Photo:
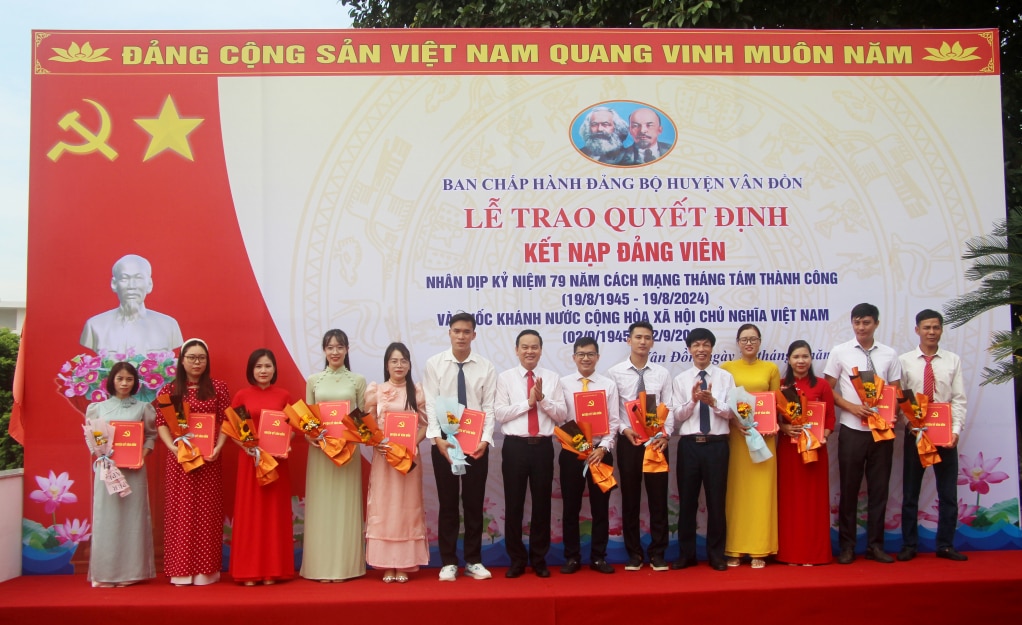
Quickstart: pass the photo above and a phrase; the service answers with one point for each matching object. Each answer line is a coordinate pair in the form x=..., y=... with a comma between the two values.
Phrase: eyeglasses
x=586, y=355
x=749, y=340
x=195, y=359
x=394, y=362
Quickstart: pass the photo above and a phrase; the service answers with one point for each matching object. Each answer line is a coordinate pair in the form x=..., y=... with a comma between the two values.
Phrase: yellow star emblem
x=169, y=131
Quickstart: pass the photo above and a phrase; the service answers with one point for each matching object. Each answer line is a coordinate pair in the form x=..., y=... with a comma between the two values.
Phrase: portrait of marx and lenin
x=623, y=134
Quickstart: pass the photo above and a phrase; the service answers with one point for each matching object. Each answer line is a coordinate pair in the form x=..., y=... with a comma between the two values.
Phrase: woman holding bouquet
x=122, y=531
x=395, y=519
x=334, y=550
x=803, y=489
x=262, y=544
x=751, y=501
x=194, y=512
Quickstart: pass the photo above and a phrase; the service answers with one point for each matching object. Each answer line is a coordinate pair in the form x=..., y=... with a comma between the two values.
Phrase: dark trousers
x=629, y=458
x=473, y=488
x=702, y=465
x=573, y=485
x=857, y=455
x=946, y=474
x=527, y=463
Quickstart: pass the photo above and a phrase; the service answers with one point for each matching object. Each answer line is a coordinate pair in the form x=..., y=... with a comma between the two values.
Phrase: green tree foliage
x=11, y=453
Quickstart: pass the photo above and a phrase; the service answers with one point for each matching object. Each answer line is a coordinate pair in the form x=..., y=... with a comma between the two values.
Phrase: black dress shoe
x=719, y=565
x=571, y=566
x=952, y=554
x=877, y=554
x=657, y=563
x=516, y=570
x=541, y=571
x=907, y=553
x=679, y=564
x=600, y=566
x=634, y=563
x=847, y=556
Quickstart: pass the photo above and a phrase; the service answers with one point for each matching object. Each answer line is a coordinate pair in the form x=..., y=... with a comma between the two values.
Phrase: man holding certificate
x=591, y=398
x=529, y=403
x=937, y=374
x=472, y=380
x=858, y=450
x=634, y=376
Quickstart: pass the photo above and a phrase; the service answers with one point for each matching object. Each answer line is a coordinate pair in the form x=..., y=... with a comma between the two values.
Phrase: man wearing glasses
x=573, y=481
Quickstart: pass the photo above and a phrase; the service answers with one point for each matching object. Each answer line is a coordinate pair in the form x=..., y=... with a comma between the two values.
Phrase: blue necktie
x=704, y=409
x=462, y=387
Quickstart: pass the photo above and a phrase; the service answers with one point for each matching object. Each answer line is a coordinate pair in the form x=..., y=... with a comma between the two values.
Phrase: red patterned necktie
x=928, y=381
x=534, y=411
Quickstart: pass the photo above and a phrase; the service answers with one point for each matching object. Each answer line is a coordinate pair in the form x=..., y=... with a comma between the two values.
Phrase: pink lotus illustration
x=978, y=474
x=966, y=513
x=56, y=490
x=73, y=531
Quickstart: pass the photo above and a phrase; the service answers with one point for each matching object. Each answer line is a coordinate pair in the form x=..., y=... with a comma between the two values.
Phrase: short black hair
x=929, y=314
x=583, y=342
x=254, y=358
x=866, y=310
x=462, y=316
x=700, y=334
x=639, y=324
x=526, y=332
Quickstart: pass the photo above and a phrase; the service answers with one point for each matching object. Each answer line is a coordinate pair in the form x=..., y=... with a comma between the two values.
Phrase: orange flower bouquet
x=651, y=419
x=239, y=427
x=188, y=455
x=305, y=419
x=914, y=406
x=578, y=439
x=361, y=427
x=870, y=387
x=791, y=406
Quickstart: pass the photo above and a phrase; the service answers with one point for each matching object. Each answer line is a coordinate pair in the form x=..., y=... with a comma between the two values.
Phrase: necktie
x=704, y=409
x=534, y=411
x=869, y=359
x=585, y=384
x=462, y=387
x=647, y=156
x=928, y=380
x=641, y=387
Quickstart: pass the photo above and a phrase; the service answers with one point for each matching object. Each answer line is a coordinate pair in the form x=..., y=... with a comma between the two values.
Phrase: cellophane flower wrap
x=306, y=420
x=176, y=417
x=362, y=428
x=99, y=436
x=578, y=439
x=870, y=387
x=791, y=406
x=448, y=413
x=398, y=456
x=914, y=406
x=743, y=405
x=239, y=427
x=653, y=460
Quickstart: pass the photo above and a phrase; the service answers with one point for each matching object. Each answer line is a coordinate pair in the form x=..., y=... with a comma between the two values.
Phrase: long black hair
x=409, y=384
x=789, y=375
x=342, y=340
x=205, y=390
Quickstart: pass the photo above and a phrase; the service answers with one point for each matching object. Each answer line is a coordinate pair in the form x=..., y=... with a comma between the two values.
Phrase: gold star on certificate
x=169, y=131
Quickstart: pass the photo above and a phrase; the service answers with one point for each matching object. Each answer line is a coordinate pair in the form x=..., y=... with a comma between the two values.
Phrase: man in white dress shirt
x=703, y=421
x=943, y=383
x=529, y=403
x=858, y=454
x=573, y=483
x=460, y=373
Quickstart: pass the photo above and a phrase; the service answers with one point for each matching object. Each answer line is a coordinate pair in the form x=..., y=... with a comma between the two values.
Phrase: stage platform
x=984, y=589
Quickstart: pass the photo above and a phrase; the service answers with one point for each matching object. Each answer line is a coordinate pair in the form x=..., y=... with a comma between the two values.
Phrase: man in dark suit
x=645, y=127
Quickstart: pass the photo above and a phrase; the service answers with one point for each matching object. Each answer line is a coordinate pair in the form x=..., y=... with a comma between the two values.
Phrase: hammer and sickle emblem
x=93, y=140
x=198, y=426
x=276, y=423
x=126, y=434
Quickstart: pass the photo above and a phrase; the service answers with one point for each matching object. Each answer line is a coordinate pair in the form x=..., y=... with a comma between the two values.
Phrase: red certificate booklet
x=888, y=402
x=816, y=417
x=766, y=413
x=637, y=419
x=128, y=444
x=202, y=427
x=470, y=430
x=591, y=408
x=274, y=433
x=938, y=423
x=401, y=427
x=331, y=413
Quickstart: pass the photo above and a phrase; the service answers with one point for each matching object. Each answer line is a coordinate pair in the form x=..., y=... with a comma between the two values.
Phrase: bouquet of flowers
x=742, y=405
x=448, y=412
x=305, y=420
x=239, y=427
x=870, y=387
x=651, y=419
x=362, y=427
x=82, y=379
x=188, y=455
x=578, y=439
x=99, y=436
x=914, y=406
x=791, y=405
